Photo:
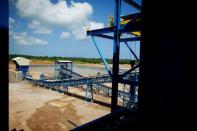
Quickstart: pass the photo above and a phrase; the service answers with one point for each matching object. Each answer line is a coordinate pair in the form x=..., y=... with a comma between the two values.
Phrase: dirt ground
x=38, y=109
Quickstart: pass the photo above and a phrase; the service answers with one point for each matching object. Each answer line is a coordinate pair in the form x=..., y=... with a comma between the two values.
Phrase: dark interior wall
x=166, y=94
x=4, y=78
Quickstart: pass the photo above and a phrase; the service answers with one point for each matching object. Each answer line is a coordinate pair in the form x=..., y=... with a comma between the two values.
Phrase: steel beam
x=133, y=4
x=101, y=55
x=129, y=82
x=132, y=69
x=130, y=27
x=131, y=16
x=121, y=40
x=130, y=39
x=100, y=31
x=105, y=36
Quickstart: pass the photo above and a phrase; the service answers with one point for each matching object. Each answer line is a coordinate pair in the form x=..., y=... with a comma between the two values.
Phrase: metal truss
x=134, y=25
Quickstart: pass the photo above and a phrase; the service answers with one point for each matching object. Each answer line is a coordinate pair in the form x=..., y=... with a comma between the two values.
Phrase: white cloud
x=81, y=32
x=11, y=22
x=39, y=28
x=73, y=17
x=60, y=13
x=64, y=35
x=93, y=25
x=23, y=39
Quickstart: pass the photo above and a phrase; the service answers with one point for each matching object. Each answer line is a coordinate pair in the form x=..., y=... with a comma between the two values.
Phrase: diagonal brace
x=132, y=52
x=101, y=55
x=132, y=69
x=134, y=4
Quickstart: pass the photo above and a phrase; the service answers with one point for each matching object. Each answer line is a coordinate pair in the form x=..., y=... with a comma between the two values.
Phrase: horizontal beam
x=131, y=16
x=128, y=28
x=105, y=36
x=129, y=82
x=121, y=40
x=130, y=39
x=100, y=31
x=133, y=4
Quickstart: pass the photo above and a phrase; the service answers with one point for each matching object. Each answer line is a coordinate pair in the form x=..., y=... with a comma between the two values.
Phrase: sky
x=58, y=28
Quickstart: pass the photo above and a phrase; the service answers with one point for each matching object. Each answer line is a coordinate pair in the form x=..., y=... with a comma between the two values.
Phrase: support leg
x=91, y=87
x=86, y=94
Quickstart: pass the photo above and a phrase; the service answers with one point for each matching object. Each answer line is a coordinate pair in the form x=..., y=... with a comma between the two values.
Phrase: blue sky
x=57, y=28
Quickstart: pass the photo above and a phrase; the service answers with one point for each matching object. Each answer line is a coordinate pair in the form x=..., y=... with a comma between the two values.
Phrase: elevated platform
x=130, y=27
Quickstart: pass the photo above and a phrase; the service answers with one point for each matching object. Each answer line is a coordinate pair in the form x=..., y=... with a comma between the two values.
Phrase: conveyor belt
x=77, y=80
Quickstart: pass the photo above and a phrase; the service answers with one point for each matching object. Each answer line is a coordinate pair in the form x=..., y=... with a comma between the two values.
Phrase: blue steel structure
x=70, y=78
x=58, y=69
x=134, y=25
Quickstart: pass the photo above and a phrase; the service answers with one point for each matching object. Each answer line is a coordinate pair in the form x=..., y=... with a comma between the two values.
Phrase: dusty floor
x=39, y=109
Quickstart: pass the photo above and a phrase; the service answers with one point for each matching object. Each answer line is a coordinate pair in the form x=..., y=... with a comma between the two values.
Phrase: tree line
x=74, y=59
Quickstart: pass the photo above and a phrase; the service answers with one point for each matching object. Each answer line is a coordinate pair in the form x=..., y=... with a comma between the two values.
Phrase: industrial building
x=22, y=64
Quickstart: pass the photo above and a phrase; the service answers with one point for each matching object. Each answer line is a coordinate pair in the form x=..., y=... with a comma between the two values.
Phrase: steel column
x=116, y=53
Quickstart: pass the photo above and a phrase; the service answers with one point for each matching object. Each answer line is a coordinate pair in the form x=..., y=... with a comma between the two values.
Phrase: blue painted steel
x=72, y=82
x=130, y=70
x=132, y=16
x=132, y=52
x=121, y=40
x=24, y=69
x=100, y=31
x=130, y=39
x=133, y=4
x=59, y=71
x=128, y=28
x=105, y=36
x=77, y=79
x=116, y=50
x=103, y=59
